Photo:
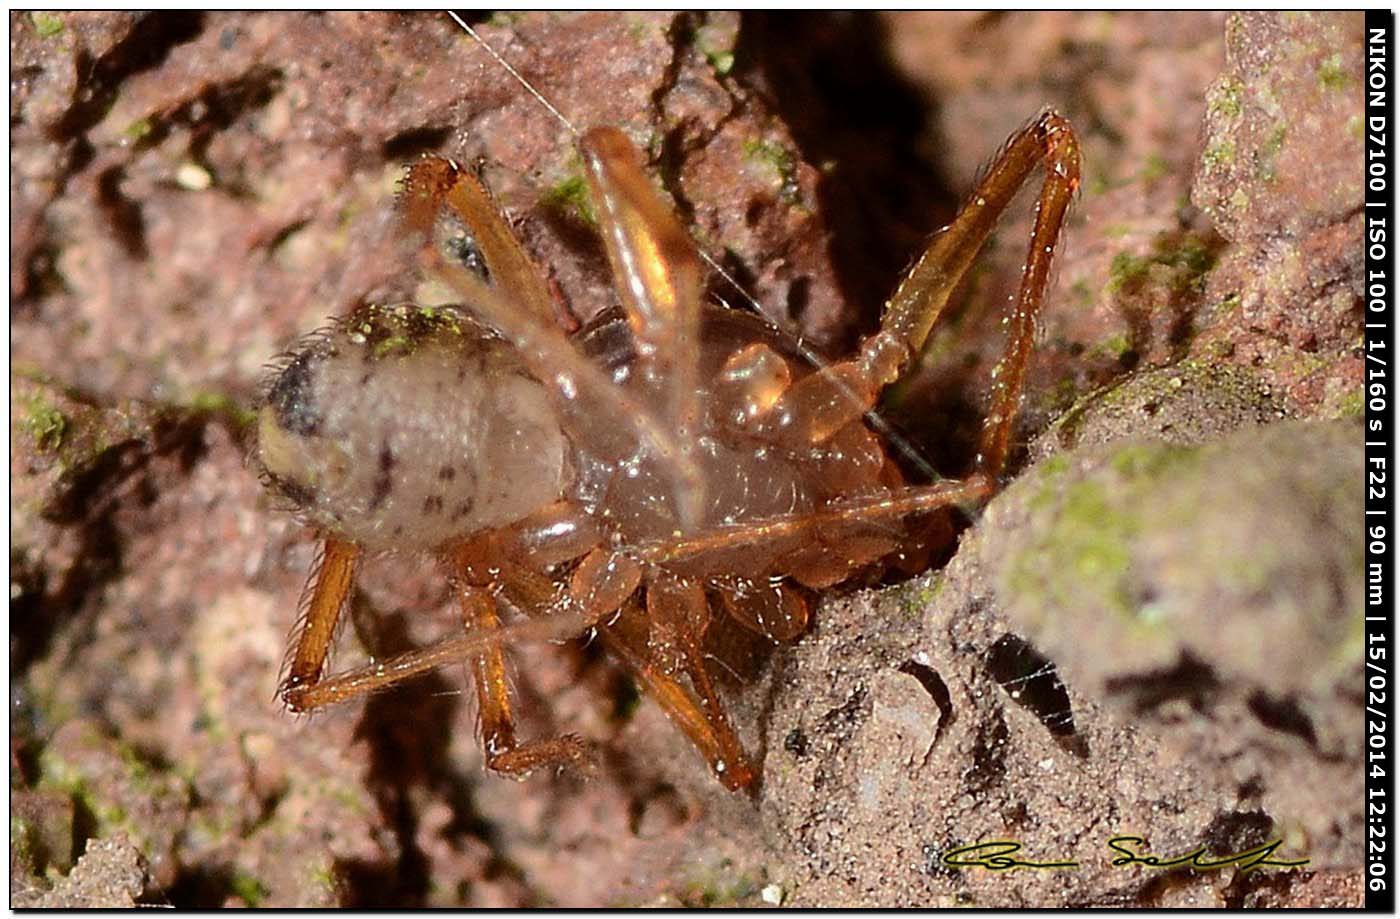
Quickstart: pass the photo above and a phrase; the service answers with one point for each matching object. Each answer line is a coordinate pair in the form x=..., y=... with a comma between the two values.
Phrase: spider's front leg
x=658, y=276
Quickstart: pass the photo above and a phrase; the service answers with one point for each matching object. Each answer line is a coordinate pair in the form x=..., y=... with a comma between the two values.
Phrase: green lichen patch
x=570, y=197
x=45, y=423
x=321, y=881
x=1126, y=557
x=1186, y=403
x=719, y=885
x=56, y=773
x=1117, y=346
x=499, y=20
x=1230, y=304
x=1127, y=270
x=1219, y=155
x=1080, y=556
x=1226, y=98
x=915, y=598
x=138, y=130
x=1266, y=156
x=1331, y=75
x=1350, y=405
x=248, y=889
x=237, y=415
x=721, y=61
x=47, y=25
x=1156, y=167
x=716, y=40
x=1177, y=263
x=781, y=162
x=70, y=435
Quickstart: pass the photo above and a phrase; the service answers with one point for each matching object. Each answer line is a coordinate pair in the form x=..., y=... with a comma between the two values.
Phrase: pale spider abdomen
x=405, y=427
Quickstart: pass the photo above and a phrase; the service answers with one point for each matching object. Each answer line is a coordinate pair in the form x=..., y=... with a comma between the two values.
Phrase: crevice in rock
x=1031, y=680
x=937, y=689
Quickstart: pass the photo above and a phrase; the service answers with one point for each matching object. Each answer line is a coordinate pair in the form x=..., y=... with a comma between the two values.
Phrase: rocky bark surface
x=189, y=192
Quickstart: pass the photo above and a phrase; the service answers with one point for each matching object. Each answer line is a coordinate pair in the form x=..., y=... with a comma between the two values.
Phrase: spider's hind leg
x=324, y=600
x=497, y=722
x=920, y=298
x=820, y=405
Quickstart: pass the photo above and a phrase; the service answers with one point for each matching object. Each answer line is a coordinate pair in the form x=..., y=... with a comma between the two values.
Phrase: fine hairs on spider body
x=671, y=464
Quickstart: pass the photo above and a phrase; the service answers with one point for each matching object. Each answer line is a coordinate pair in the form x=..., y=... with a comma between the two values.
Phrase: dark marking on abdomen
x=299, y=494
x=384, y=481
x=291, y=396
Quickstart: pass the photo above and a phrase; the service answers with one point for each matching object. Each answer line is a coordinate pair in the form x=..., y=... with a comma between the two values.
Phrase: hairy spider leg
x=913, y=499
x=678, y=612
x=600, y=585
x=497, y=722
x=433, y=181
x=704, y=722
x=517, y=304
x=323, y=600
x=1053, y=140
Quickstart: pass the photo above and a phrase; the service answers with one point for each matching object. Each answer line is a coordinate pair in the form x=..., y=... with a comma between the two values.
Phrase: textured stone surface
x=190, y=192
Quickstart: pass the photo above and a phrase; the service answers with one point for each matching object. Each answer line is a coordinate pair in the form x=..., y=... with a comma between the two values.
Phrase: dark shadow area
x=88, y=497
x=1283, y=714
x=830, y=78
x=1033, y=683
x=1189, y=680
x=408, y=728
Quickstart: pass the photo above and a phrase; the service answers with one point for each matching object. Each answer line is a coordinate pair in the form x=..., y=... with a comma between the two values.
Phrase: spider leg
x=488, y=667
x=823, y=403
x=433, y=182
x=677, y=614
x=600, y=585
x=1061, y=179
x=775, y=611
x=801, y=528
x=325, y=599
x=517, y=304
x=677, y=611
x=659, y=278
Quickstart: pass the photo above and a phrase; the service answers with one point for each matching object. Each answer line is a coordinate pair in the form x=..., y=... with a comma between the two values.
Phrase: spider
x=670, y=464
